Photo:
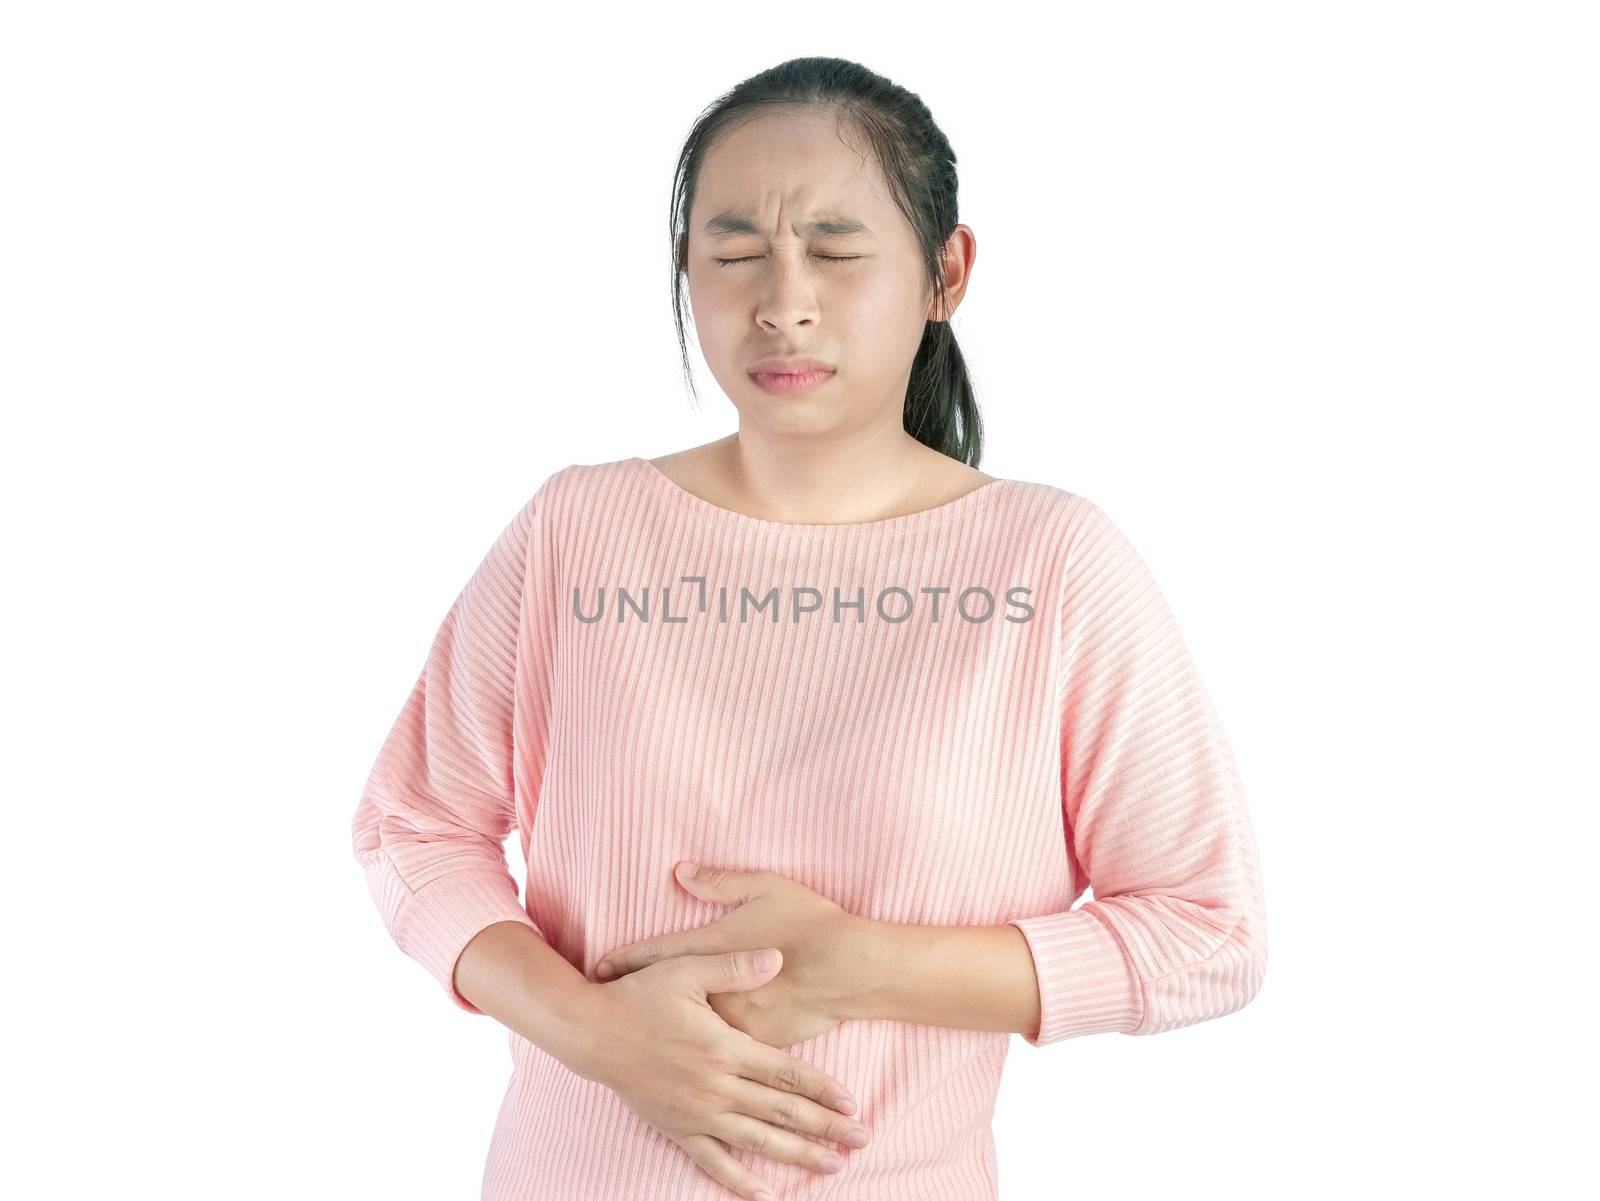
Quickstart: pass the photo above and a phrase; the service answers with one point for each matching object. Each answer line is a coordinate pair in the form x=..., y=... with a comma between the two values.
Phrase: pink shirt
x=962, y=716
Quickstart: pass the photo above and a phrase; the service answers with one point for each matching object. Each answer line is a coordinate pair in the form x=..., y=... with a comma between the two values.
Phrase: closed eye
x=750, y=258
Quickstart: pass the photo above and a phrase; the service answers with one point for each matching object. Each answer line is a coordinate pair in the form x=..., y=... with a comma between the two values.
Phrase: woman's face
x=796, y=251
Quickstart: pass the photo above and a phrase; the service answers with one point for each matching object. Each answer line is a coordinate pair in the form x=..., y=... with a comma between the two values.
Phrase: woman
x=900, y=712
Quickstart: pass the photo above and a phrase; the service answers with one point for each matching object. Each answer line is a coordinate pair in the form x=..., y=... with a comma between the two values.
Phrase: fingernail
x=830, y=1162
x=687, y=870
x=767, y=960
x=856, y=1138
x=845, y=1106
x=602, y=970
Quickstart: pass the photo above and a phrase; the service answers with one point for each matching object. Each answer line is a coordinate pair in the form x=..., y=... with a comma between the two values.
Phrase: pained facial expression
x=776, y=270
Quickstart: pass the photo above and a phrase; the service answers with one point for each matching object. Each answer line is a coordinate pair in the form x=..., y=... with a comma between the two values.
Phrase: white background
x=302, y=301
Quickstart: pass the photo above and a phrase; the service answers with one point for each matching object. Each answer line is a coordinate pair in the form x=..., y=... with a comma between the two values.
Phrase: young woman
x=900, y=713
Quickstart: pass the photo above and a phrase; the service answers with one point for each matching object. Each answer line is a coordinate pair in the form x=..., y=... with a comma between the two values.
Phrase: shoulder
x=1088, y=552
x=568, y=502
x=578, y=488
x=568, y=491
x=1061, y=517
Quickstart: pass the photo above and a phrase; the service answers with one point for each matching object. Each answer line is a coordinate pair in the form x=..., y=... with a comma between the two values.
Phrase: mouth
x=787, y=383
x=786, y=377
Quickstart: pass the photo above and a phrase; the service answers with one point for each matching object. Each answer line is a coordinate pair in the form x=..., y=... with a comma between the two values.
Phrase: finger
x=715, y=1161
x=771, y=1067
x=775, y=1143
x=731, y=971
x=720, y=885
x=793, y=1112
x=702, y=940
x=635, y=955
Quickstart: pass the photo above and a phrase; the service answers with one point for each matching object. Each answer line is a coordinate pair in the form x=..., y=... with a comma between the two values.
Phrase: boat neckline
x=942, y=511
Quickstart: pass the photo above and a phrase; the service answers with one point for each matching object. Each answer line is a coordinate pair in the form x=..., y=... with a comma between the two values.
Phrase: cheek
x=879, y=298
x=718, y=310
x=881, y=319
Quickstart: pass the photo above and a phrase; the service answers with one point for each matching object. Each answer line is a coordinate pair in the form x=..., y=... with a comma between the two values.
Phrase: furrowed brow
x=734, y=225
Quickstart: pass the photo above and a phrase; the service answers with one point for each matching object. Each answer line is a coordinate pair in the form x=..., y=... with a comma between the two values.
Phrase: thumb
x=736, y=971
x=720, y=885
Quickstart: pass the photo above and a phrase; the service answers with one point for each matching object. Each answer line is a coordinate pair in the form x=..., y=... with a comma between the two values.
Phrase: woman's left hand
x=817, y=939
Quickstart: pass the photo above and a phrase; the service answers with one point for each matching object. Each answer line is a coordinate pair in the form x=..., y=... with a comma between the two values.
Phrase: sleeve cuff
x=442, y=917
x=1086, y=984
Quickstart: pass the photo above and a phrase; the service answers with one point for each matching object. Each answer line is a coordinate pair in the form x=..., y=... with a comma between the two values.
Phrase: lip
x=785, y=377
x=788, y=366
x=787, y=383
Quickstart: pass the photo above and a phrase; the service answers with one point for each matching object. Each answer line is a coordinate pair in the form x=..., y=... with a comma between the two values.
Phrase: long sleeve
x=430, y=828
x=1155, y=816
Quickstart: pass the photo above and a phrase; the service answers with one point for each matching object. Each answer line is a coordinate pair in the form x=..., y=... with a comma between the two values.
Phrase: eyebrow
x=733, y=225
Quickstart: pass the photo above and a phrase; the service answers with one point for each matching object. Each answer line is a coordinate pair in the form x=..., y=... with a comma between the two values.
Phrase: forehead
x=790, y=172
x=732, y=223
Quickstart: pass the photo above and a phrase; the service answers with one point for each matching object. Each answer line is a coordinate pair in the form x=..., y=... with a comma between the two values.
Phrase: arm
x=967, y=977
x=430, y=827
x=1156, y=822
x=512, y=974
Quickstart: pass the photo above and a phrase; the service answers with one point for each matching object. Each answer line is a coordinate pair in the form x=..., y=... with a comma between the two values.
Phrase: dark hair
x=941, y=410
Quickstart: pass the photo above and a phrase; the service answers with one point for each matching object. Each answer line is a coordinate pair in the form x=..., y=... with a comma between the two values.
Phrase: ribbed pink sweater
x=961, y=716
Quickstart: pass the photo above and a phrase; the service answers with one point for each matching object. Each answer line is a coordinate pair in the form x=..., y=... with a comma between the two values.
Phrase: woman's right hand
x=660, y=1046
